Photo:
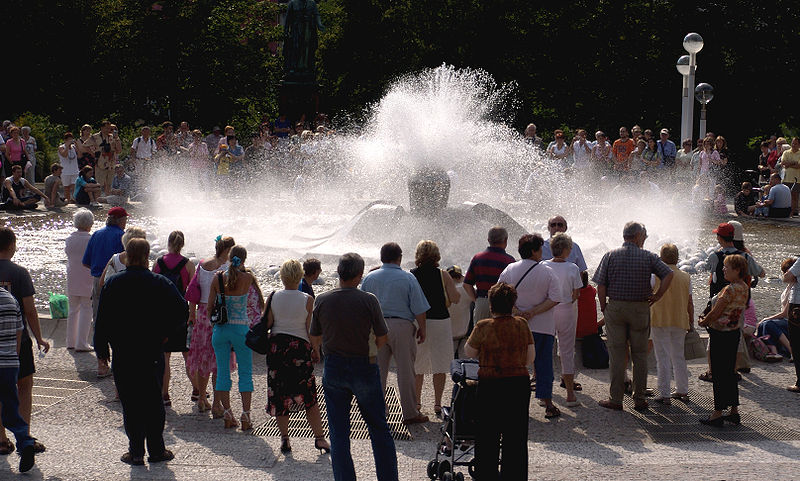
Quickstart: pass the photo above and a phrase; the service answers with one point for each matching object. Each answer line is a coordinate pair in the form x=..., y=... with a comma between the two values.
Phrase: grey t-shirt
x=781, y=195
x=344, y=318
x=49, y=182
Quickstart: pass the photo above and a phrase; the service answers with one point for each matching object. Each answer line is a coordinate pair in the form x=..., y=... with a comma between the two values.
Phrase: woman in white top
x=79, y=283
x=291, y=385
x=68, y=158
x=559, y=149
x=459, y=312
x=569, y=282
x=117, y=262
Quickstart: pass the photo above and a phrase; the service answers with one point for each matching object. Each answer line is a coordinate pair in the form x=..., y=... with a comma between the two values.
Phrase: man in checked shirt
x=623, y=287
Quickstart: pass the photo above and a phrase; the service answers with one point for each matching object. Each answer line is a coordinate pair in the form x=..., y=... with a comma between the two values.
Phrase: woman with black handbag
x=291, y=385
x=227, y=302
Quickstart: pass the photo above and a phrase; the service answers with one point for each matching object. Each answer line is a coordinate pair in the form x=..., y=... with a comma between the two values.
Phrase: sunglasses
x=557, y=224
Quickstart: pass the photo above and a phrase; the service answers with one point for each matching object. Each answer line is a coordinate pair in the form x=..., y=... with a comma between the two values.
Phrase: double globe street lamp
x=687, y=66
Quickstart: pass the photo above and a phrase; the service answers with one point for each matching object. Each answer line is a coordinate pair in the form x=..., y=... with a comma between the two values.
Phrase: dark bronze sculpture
x=300, y=41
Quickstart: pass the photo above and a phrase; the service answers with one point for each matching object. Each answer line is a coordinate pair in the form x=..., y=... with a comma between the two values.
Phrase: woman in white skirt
x=568, y=278
x=434, y=355
x=459, y=313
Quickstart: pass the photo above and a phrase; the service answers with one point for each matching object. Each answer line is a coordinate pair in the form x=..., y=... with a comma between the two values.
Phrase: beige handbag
x=693, y=346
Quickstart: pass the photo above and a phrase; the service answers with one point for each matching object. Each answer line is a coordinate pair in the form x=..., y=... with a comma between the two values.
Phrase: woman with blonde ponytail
x=237, y=282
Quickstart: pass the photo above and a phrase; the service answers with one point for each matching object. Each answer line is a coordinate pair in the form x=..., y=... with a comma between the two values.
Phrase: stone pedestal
x=297, y=98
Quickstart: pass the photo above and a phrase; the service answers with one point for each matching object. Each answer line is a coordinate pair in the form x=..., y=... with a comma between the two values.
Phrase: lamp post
x=703, y=93
x=692, y=43
x=683, y=69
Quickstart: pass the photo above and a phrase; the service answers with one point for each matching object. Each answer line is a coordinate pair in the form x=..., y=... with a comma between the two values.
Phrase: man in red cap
x=103, y=244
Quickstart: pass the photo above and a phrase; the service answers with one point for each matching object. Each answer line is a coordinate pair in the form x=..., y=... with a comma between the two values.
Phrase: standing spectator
x=791, y=277
x=229, y=131
x=184, y=135
x=16, y=280
x=290, y=361
x=765, y=168
x=433, y=355
x=744, y=202
x=559, y=148
x=282, y=127
x=312, y=268
x=776, y=152
x=636, y=160
x=555, y=225
x=404, y=306
x=651, y=156
x=143, y=149
x=85, y=147
x=622, y=150
x=15, y=148
x=120, y=187
x=199, y=162
x=167, y=143
x=623, y=276
x=79, y=283
x=721, y=146
x=504, y=348
x=137, y=333
x=790, y=161
x=636, y=133
x=179, y=270
x=683, y=162
x=670, y=318
x=667, y=149
x=724, y=322
x=213, y=139
x=53, y=188
x=582, y=151
x=459, y=312
x=236, y=155
x=341, y=324
x=531, y=137
x=201, y=361
x=484, y=269
x=779, y=200
x=230, y=336
x=103, y=244
x=537, y=290
x=708, y=157
x=30, y=149
x=68, y=158
x=108, y=148
x=11, y=327
x=601, y=151
x=565, y=313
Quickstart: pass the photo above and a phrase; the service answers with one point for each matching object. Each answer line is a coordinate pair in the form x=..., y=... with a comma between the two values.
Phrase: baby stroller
x=459, y=427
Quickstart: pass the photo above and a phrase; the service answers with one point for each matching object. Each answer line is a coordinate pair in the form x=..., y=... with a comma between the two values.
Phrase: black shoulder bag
x=220, y=314
x=524, y=275
x=257, y=338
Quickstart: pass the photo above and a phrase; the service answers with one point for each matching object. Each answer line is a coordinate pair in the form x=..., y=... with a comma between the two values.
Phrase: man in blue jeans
x=342, y=321
x=11, y=327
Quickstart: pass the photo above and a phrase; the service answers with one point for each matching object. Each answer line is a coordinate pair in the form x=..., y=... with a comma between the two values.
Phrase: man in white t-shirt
x=143, y=149
x=581, y=151
x=536, y=290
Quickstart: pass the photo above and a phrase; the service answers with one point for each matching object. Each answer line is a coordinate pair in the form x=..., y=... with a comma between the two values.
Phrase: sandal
x=793, y=388
x=128, y=458
x=437, y=409
x=533, y=385
x=706, y=376
x=552, y=412
x=6, y=447
x=576, y=386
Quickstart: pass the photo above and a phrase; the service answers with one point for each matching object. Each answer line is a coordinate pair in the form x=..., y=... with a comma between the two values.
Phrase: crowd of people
x=508, y=313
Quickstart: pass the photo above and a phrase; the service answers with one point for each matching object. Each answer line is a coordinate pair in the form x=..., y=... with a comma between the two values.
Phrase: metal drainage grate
x=678, y=423
x=51, y=386
x=299, y=428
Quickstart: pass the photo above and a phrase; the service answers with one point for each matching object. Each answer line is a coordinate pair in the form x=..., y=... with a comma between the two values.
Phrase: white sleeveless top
x=70, y=162
x=205, y=278
x=459, y=313
x=114, y=266
x=289, y=310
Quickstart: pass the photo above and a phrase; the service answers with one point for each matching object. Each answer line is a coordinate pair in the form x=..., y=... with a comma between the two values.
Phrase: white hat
x=665, y=131
x=738, y=230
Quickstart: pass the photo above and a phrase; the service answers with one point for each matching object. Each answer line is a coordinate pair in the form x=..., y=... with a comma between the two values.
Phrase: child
x=459, y=313
x=223, y=160
x=720, y=204
x=587, y=308
x=762, y=210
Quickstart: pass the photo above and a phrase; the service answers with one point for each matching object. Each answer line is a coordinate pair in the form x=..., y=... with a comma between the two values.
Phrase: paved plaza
x=76, y=417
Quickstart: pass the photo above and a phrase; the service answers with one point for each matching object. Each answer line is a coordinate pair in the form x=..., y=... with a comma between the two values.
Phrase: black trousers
x=139, y=384
x=502, y=407
x=722, y=351
x=794, y=337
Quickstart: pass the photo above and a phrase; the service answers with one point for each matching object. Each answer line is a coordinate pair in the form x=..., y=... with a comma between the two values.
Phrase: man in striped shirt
x=10, y=336
x=484, y=270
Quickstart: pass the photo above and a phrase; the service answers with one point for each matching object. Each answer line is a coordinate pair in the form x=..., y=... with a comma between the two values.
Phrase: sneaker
x=26, y=459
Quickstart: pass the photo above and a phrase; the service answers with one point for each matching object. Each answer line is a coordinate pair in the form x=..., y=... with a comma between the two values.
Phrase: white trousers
x=79, y=322
x=566, y=319
x=668, y=346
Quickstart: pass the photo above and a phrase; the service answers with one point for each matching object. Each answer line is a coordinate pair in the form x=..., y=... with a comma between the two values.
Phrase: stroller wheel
x=433, y=469
x=471, y=468
x=444, y=470
x=459, y=476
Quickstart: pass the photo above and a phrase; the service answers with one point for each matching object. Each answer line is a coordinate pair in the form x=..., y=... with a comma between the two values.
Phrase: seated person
x=120, y=187
x=86, y=188
x=777, y=325
x=14, y=192
x=54, y=188
x=744, y=202
x=779, y=200
x=762, y=209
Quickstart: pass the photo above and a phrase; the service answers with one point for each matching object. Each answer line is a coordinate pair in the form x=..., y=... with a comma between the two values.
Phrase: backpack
x=174, y=275
x=760, y=349
x=594, y=352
